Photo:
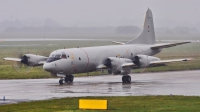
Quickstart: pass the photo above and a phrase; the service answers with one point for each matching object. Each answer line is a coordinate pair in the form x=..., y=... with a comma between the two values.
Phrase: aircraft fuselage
x=86, y=59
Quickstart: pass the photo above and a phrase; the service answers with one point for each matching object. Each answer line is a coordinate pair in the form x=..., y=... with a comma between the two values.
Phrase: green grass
x=120, y=104
x=8, y=72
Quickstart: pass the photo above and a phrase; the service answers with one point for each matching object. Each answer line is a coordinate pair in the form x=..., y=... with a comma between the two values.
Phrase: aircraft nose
x=48, y=67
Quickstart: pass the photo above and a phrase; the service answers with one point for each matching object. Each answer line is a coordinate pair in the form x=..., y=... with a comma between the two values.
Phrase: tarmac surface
x=163, y=83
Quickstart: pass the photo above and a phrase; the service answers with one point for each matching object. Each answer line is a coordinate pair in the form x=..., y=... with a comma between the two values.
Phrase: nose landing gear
x=61, y=81
x=68, y=78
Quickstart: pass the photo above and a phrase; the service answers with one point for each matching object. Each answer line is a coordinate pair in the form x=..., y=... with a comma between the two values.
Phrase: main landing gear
x=68, y=78
x=126, y=79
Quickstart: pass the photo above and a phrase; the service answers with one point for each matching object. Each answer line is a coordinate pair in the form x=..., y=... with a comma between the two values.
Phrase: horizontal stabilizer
x=169, y=61
x=166, y=45
x=12, y=59
x=118, y=42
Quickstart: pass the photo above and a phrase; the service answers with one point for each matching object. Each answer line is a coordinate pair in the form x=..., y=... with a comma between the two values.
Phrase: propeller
x=136, y=61
x=22, y=66
x=107, y=63
x=24, y=60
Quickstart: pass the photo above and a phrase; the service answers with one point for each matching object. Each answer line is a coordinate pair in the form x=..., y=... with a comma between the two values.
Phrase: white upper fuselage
x=86, y=59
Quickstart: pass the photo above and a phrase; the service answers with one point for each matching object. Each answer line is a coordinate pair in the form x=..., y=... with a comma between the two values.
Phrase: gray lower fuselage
x=86, y=59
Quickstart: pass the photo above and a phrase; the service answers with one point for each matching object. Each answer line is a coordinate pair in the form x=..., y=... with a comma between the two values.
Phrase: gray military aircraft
x=118, y=59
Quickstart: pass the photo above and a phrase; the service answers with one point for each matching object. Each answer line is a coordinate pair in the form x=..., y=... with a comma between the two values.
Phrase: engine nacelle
x=32, y=59
x=144, y=60
x=115, y=64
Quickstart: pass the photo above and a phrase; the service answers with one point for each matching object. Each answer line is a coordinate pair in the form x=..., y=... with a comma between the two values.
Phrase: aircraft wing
x=166, y=45
x=12, y=59
x=102, y=66
x=118, y=42
x=127, y=64
x=169, y=61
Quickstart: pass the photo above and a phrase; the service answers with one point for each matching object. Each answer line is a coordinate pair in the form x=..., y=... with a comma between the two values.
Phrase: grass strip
x=120, y=104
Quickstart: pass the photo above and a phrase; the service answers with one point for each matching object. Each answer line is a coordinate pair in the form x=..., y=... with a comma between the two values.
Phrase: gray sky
x=81, y=13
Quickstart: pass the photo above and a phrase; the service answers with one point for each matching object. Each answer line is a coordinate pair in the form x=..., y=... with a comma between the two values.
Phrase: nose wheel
x=126, y=79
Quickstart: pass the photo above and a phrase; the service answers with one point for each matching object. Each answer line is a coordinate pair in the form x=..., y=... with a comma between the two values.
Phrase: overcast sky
x=81, y=13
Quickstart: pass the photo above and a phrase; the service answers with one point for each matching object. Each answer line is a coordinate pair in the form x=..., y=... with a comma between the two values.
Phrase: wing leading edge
x=169, y=61
x=12, y=59
x=166, y=45
x=131, y=64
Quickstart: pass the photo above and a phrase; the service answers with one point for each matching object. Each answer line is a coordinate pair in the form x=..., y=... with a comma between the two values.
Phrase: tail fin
x=147, y=35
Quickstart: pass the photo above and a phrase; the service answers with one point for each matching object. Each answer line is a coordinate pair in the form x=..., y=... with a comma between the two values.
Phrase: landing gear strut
x=68, y=78
x=126, y=79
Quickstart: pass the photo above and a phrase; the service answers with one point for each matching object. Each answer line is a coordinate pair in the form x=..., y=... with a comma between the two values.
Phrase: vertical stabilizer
x=147, y=36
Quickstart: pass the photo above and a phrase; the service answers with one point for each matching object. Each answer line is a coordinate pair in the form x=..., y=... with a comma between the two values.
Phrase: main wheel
x=128, y=79
x=66, y=78
x=71, y=78
x=123, y=79
x=61, y=81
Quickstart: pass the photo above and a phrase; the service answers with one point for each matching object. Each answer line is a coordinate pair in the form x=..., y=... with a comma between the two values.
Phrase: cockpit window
x=57, y=56
x=53, y=57
x=63, y=55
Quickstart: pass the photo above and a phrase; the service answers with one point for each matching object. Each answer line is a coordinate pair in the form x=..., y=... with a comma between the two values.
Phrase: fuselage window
x=79, y=58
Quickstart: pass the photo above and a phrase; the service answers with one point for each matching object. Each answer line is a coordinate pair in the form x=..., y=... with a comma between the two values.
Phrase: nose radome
x=50, y=67
x=47, y=67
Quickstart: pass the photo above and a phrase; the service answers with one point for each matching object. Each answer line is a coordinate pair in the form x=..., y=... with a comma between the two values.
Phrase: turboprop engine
x=32, y=60
x=144, y=60
x=123, y=65
x=119, y=65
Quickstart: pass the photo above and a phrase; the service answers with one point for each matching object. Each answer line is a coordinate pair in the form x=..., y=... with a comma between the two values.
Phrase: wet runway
x=164, y=83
